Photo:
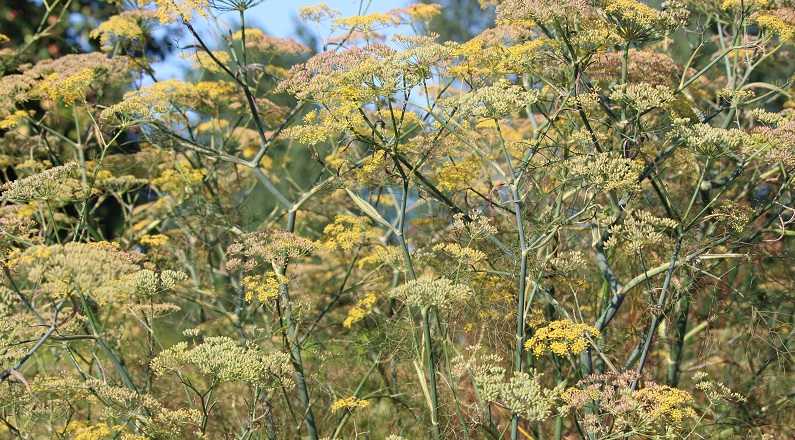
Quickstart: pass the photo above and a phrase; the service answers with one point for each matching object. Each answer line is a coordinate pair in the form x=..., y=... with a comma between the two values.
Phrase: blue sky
x=277, y=17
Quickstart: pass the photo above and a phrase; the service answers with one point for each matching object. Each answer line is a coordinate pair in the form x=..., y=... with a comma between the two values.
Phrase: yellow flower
x=730, y=4
x=67, y=89
x=362, y=308
x=348, y=231
x=205, y=61
x=212, y=126
x=83, y=431
x=466, y=255
x=180, y=179
x=367, y=21
x=780, y=22
x=421, y=11
x=170, y=10
x=12, y=120
x=664, y=402
x=263, y=287
x=561, y=338
x=457, y=176
x=349, y=403
x=371, y=165
x=124, y=26
x=154, y=241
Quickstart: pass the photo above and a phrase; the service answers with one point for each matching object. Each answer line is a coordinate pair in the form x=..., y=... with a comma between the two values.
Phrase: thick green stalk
x=662, y=299
x=431, y=371
x=520, y=304
x=677, y=350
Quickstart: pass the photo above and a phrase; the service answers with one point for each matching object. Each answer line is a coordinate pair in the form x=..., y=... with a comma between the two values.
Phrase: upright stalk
x=295, y=346
x=520, y=304
x=430, y=365
x=662, y=299
x=677, y=350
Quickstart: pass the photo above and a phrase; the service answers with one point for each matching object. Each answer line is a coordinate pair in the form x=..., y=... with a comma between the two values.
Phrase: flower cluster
x=461, y=254
x=636, y=21
x=262, y=287
x=430, y=292
x=711, y=141
x=125, y=28
x=170, y=10
x=495, y=101
x=69, y=79
x=253, y=250
x=652, y=410
x=522, y=392
x=639, y=231
x=160, y=98
x=478, y=228
x=645, y=65
x=643, y=96
x=224, y=360
x=606, y=172
x=562, y=337
x=54, y=184
x=347, y=232
x=540, y=11
x=362, y=308
x=456, y=176
x=91, y=269
x=349, y=404
x=257, y=40
x=780, y=22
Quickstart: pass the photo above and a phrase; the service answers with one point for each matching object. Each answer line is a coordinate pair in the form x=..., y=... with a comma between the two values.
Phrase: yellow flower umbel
x=456, y=176
x=349, y=403
x=180, y=179
x=262, y=287
x=429, y=292
x=154, y=241
x=780, y=22
x=259, y=41
x=225, y=360
x=367, y=22
x=13, y=120
x=170, y=10
x=561, y=338
x=360, y=310
x=82, y=431
x=122, y=28
x=347, y=232
x=636, y=21
x=665, y=403
x=67, y=89
x=420, y=11
x=55, y=184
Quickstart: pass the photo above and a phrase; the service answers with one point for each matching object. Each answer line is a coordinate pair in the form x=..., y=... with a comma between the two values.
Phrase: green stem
x=431, y=372
x=677, y=350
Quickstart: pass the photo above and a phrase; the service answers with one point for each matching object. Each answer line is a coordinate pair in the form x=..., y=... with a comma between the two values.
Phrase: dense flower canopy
x=577, y=223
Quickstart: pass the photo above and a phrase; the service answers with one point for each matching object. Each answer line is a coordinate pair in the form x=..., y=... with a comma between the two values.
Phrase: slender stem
x=295, y=346
x=663, y=298
x=677, y=350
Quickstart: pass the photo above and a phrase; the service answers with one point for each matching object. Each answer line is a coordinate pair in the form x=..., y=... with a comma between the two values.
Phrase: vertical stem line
x=677, y=350
x=520, y=305
x=659, y=316
x=294, y=345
